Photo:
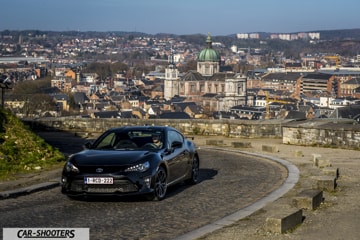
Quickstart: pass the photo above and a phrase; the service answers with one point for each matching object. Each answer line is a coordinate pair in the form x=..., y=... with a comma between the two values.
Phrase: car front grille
x=105, y=169
x=120, y=186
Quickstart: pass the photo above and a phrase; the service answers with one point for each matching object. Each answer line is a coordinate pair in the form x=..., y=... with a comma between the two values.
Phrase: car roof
x=138, y=128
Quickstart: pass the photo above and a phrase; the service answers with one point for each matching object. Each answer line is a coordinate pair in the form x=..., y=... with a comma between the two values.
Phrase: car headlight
x=71, y=167
x=142, y=167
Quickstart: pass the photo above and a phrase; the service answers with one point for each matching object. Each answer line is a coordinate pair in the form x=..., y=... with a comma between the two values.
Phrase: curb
x=30, y=189
x=289, y=183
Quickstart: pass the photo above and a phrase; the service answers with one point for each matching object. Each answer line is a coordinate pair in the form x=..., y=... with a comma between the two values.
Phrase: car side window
x=174, y=136
x=107, y=141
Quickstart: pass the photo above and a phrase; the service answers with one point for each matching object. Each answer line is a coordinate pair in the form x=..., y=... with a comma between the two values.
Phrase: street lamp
x=5, y=83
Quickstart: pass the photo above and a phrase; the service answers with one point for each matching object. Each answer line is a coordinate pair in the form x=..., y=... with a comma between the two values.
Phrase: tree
x=36, y=95
x=33, y=86
x=118, y=67
x=102, y=69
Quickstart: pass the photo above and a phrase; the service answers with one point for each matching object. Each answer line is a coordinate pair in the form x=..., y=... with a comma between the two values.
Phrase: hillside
x=22, y=151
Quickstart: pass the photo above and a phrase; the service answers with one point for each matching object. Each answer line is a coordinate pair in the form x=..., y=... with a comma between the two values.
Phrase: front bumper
x=122, y=186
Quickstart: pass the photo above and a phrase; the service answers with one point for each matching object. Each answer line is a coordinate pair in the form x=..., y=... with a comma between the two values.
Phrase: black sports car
x=123, y=161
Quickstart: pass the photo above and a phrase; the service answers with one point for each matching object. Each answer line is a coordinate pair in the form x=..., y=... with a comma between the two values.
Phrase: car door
x=178, y=156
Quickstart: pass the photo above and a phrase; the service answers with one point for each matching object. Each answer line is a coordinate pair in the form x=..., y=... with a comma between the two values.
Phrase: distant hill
x=340, y=34
x=343, y=34
x=345, y=42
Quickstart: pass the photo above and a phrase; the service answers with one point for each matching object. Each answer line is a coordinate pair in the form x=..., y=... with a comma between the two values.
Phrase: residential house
x=157, y=92
x=348, y=88
x=140, y=113
x=80, y=99
x=195, y=111
x=62, y=102
x=245, y=112
x=282, y=81
x=293, y=66
x=154, y=110
x=174, y=115
x=70, y=73
x=225, y=115
x=180, y=106
x=63, y=83
x=349, y=112
x=105, y=114
x=88, y=78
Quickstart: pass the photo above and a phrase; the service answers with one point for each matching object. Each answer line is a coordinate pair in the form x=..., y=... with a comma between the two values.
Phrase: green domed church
x=208, y=86
x=208, y=61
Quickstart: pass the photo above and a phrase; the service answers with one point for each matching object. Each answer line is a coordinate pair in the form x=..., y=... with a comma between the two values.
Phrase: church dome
x=208, y=54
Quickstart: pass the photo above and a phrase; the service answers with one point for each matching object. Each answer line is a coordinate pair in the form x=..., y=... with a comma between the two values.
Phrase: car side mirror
x=87, y=145
x=176, y=144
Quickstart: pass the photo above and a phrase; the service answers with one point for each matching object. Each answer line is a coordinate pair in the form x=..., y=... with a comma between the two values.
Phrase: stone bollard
x=309, y=199
x=270, y=148
x=322, y=163
x=316, y=156
x=326, y=183
x=241, y=144
x=214, y=142
x=298, y=153
x=284, y=220
x=331, y=171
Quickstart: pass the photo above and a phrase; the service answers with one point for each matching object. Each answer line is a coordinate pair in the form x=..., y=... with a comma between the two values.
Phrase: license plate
x=98, y=180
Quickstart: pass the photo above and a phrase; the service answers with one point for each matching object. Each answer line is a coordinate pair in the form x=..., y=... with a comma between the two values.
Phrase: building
x=63, y=83
x=319, y=82
x=229, y=87
x=348, y=88
x=287, y=82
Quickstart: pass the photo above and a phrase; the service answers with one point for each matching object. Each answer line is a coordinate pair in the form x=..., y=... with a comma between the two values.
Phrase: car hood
x=116, y=157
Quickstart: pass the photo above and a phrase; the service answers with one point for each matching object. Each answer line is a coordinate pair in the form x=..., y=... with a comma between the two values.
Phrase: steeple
x=171, y=59
x=171, y=85
x=208, y=41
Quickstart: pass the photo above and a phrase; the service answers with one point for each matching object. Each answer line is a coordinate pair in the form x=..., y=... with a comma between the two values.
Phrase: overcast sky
x=220, y=17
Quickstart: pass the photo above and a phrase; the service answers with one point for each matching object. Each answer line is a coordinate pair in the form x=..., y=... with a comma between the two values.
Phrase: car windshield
x=131, y=139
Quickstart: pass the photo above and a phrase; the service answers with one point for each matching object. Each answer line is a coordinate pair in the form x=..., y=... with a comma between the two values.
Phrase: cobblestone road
x=228, y=182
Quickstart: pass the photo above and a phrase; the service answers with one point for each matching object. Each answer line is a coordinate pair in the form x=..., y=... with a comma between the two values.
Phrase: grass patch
x=21, y=150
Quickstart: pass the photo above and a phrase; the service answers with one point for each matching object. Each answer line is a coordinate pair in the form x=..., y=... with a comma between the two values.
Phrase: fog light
x=63, y=180
x=147, y=181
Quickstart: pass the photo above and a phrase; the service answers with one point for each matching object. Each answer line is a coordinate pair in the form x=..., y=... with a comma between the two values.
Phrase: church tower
x=171, y=82
x=235, y=92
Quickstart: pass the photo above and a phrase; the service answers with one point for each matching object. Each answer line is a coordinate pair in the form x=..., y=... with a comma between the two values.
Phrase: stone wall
x=323, y=133
x=327, y=133
x=229, y=128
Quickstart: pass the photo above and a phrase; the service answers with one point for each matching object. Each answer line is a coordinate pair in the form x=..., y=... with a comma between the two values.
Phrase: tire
x=195, y=168
x=160, y=185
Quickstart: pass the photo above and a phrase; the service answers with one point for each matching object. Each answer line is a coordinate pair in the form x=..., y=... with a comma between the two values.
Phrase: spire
x=171, y=58
x=208, y=41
